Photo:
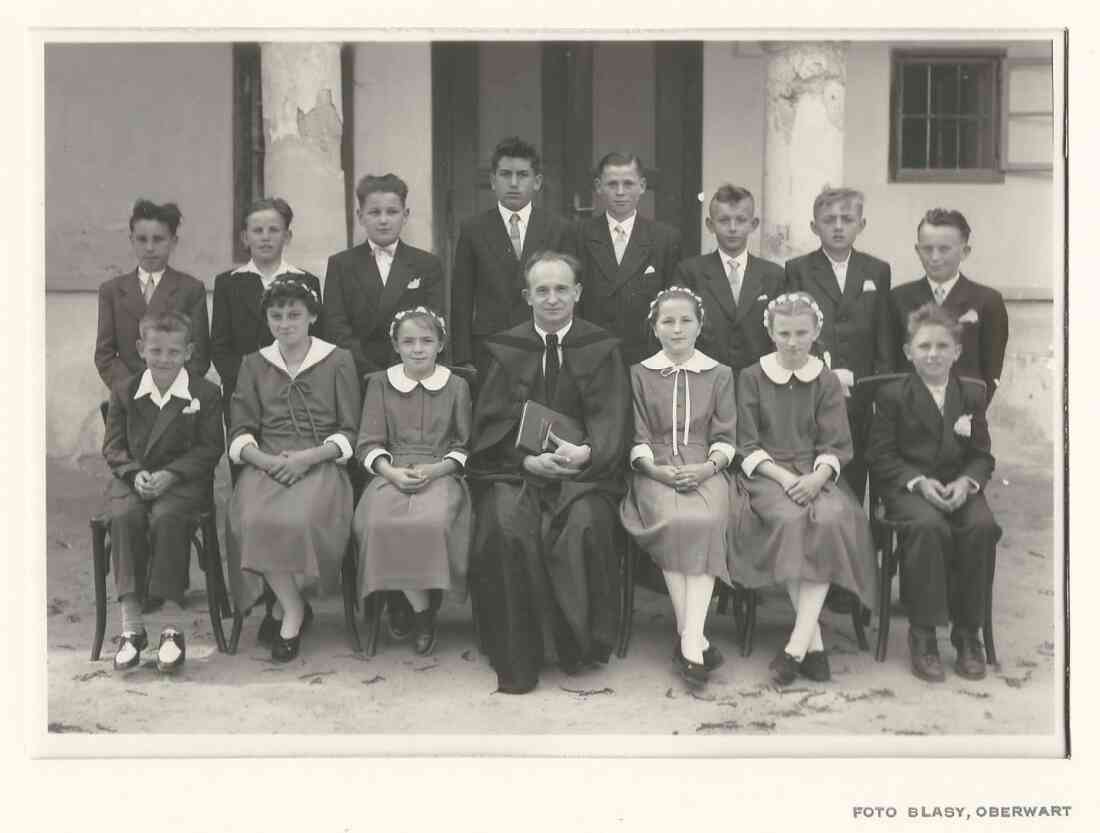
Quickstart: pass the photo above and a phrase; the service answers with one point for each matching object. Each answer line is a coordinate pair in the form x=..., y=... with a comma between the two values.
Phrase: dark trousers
x=944, y=560
x=151, y=538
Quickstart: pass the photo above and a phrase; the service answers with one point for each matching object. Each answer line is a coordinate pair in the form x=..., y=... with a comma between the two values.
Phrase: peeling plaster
x=297, y=79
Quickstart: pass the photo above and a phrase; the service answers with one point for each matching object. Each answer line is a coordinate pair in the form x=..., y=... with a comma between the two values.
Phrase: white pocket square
x=869, y=286
x=762, y=297
x=969, y=317
x=413, y=284
x=649, y=270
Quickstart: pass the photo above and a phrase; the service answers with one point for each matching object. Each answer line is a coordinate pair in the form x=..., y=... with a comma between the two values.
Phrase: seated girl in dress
x=413, y=522
x=677, y=507
x=800, y=526
x=294, y=417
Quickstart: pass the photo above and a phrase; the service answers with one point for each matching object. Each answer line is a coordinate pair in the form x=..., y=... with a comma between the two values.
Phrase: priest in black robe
x=545, y=562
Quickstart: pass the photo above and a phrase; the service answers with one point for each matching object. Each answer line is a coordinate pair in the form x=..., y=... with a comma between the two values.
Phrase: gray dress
x=416, y=541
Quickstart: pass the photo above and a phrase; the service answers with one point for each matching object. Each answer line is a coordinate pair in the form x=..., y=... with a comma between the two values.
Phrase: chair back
x=863, y=396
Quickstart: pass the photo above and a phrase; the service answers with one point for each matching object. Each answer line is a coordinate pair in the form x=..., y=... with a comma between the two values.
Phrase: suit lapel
x=720, y=286
x=165, y=293
x=952, y=410
x=398, y=278
x=822, y=273
x=637, y=251
x=249, y=290
x=132, y=299
x=164, y=418
x=535, y=239
x=924, y=406
x=853, y=279
x=603, y=252
x=750, y=288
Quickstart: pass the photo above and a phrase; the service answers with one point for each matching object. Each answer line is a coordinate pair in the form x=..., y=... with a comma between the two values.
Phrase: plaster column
x=804, y=140
x=303, y=127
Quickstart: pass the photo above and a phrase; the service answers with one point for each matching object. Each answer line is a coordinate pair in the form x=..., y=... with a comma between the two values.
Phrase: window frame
x=1007, y=115
x=995, y=58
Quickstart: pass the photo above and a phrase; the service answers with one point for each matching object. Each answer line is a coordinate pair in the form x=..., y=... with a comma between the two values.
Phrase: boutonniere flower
x=971, y=317
x=962, y=425
x=192, y=407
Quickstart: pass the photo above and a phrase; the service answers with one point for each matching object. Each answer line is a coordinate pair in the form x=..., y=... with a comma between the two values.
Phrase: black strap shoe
x=815, y=666
x=784, y=668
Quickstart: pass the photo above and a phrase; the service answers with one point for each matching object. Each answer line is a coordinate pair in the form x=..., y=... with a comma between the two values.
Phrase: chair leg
x=750, y=622
x=348, y=582
x=860, y=617
x=372, y=615
x=235, y=636
x=99, y=579
x=987, y=625
x=626, y=618
x=210, y=558
x=885, y=583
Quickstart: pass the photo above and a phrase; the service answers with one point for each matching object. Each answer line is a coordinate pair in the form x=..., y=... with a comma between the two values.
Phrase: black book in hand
x=537, y=423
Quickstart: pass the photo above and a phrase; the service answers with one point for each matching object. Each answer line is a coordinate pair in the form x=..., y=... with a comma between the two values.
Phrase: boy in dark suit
x=365, y=285
x=735, y=286
x=164, y=438
x=930, y=456
x=853, y=290
x=625, y=259
x=487, y=282
x=943, y=243
x=153, y=287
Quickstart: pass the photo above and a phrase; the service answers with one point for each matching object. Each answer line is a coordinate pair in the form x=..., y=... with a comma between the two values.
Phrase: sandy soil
x=328, y=689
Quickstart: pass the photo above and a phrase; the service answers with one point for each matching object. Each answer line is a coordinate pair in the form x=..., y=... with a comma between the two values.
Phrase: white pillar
x=804, y=140
x=303, y=127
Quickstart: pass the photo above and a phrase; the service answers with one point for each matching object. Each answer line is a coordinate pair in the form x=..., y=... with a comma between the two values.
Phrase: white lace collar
x=318, y=349
x=698, y=362
x=403, y=383
x=781, y=375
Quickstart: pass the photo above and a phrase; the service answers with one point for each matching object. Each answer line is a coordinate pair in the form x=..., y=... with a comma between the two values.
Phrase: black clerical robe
x=544, y=567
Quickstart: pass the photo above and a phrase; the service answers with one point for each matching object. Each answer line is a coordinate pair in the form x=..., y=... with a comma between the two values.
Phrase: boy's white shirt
x=840, y=268
x=284, y=269
x=180, y=388
x=524, y=218
x=318, y=349
x=696, y=363
x=781, y=375
x=627, y=225
x=947, y=285
x=401, y=381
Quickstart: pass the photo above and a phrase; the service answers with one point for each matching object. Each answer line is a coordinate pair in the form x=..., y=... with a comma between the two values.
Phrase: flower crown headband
x=664, y=294
x=283, y=280
x=419, y=312
x=792, y=298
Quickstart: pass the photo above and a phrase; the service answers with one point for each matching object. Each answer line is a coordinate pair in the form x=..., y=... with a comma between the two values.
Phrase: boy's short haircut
x=932, y=314
x=833, y=195
x=515, y=148
x=946, y=217
x=729, y=194
x=170, y=321
x=169, y=214
x=547, y=256
x=276, y=204
x=616, y=159
x=385, y=184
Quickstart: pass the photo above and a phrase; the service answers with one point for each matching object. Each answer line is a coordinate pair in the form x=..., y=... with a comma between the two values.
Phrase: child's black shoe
x=129, y=649
x=424, y=632
x=815, y=666
x=784, y=669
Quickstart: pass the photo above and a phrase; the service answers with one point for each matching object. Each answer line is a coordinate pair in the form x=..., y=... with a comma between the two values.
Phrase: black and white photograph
x=551, y=393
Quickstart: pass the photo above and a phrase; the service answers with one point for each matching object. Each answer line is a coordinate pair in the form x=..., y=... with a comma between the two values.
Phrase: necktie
x=148, y=290
x=620, y=243
x=939, y=294
x=384, y=261
x=735, y=280
x=513, y=233
x=553, y=365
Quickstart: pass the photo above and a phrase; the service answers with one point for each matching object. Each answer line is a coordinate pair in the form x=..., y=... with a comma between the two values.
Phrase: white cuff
x=341, y=442
x=240, y=444
x=975, y=486
x=372, y=456
x=749, y=464
x=640, y=452
x=726, y=450
x=829, y=460
x=912, y=484
x=458, y=456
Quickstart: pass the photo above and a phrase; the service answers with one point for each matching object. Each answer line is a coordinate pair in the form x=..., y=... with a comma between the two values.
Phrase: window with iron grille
x=945, y=117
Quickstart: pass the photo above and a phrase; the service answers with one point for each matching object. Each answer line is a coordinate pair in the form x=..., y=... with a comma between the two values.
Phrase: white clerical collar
x=284, y=269
x=697, y=363
x=391, y=249
x=400, y=380
x=627, y=224
x=946, y=286
x=560, y=333
x=781, y=375
x=180, y=388
x=506, y=213
x=318, y=349
x=144, y=276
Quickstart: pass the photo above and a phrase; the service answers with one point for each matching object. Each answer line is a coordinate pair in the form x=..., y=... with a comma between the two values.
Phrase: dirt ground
x=328, y=689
